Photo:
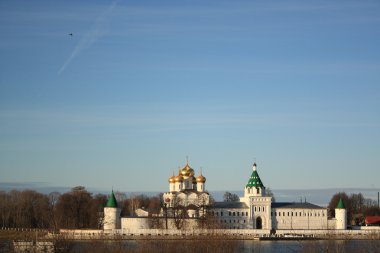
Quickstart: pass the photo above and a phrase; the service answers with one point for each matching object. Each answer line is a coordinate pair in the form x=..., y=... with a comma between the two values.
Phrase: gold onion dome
x=201, y=179
x=187, y=171
x=172, y=179
x=179, y=178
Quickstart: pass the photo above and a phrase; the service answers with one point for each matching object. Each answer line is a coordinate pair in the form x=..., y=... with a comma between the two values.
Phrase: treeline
x=77, y=208
x=358, y=207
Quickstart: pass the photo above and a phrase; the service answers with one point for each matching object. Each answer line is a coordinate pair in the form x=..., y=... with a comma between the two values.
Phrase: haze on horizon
x=140, y=85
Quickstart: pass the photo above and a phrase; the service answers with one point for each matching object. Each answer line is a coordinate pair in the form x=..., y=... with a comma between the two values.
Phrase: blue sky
x=292, y=85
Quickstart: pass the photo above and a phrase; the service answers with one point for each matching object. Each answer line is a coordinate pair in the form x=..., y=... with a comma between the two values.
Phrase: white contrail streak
x=90, y=37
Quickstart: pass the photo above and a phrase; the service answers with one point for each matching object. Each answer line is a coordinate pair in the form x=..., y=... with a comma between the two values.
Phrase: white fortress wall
x=284, y=218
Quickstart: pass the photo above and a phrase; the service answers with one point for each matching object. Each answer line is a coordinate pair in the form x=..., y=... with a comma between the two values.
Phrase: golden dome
x=187, y=171
x=178, y=178
x=172, y=179
x=201, y=179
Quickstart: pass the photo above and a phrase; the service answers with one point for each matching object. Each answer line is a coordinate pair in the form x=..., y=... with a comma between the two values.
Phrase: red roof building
x=372, y=220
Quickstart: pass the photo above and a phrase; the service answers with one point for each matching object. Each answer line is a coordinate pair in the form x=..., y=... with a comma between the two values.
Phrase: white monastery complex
x=187, y=205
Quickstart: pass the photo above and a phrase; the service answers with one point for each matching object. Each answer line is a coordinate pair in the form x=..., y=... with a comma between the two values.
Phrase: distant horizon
x=316, y=196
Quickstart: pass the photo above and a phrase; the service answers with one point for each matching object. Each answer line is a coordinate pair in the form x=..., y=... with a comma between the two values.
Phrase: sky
x=140, y=85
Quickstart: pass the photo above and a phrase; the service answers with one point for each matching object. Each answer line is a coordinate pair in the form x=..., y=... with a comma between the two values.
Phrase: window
x=271, y=213
x=258, y=190
x=221, y=213
x=296, y=213
x=279, y=213
x=283, y=213
x=288, y=214
x=233, y=214
x=237, y=213
x=229, y=213
x=246, y=214
x=244, y=221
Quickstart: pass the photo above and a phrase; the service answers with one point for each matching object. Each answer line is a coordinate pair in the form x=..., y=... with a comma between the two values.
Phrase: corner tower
x=341, y=215
x=111, y=214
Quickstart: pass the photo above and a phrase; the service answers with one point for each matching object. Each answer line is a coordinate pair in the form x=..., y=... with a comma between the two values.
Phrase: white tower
x=111, y=214
x=341, y=215
x=172, y=183
x=259, y=203
x=201, y=180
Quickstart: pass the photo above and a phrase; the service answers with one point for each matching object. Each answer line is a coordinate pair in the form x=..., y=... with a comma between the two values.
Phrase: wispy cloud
x=90, y=37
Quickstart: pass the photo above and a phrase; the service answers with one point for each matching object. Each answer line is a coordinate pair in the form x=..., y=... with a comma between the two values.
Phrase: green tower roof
x=111, y=201
x=254, y=180
x=340, y=204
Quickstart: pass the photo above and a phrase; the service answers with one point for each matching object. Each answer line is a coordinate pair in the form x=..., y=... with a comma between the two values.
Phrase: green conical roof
x=111, y=201
x=340, y=204
x=254, y=180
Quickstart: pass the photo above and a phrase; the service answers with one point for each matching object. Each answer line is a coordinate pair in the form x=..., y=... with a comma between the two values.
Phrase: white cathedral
x=255, y=210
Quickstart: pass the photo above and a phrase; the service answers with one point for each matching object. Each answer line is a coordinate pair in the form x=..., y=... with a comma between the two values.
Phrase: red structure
x=372, y=220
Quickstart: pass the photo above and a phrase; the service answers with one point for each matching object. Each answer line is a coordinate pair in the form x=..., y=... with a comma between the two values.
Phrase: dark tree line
x=77, y=208
x=358, y=207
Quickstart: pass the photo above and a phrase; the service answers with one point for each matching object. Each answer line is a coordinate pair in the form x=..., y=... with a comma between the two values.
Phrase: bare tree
x=230, y=197
x=53, y=200
x=179, y=213
x=73, y=208
x=270, y=194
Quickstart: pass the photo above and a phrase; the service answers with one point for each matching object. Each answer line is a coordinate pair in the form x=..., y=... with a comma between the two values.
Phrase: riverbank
x=240, y=234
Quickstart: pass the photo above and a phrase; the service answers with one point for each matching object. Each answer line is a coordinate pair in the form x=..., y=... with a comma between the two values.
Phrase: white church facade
x=255, y=210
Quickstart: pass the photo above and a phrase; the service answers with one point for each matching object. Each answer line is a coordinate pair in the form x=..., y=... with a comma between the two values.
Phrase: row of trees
x=358, y=207
x=77, y=208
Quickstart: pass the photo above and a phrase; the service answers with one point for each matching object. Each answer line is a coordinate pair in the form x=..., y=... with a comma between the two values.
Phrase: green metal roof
x=111, y=201
x=340, y=204
x=254, y=180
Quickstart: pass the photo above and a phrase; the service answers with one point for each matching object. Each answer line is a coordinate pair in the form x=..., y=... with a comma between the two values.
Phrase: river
x=225, y=246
